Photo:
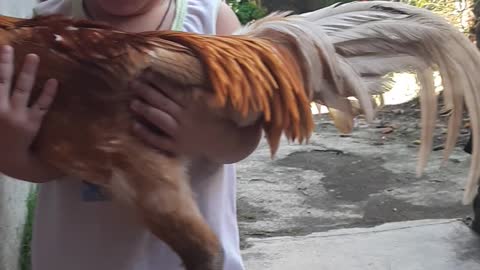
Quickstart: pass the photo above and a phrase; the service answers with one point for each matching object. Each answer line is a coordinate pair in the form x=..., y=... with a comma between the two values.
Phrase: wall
x=12, y=193
x=18, y=8
x=12, y=218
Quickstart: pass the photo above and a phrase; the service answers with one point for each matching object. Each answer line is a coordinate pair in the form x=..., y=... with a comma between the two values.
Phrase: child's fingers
x=158, y=118
x=160, y=142
x=6, y=73
x=25, y=81
x=175, y=93
x=156, y=98
x=41, y=106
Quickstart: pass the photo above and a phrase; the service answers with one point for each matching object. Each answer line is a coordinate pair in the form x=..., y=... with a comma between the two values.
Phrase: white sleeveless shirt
x=76, y=229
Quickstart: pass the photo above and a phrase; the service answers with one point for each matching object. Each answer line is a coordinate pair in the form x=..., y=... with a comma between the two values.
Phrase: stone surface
x=411, y=245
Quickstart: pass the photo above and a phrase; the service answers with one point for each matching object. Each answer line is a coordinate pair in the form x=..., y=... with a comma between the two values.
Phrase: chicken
x=268, y=71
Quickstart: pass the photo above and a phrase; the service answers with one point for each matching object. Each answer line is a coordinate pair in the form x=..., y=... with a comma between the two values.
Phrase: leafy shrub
x=459, y=13
x=247, y=10
x=25, y=262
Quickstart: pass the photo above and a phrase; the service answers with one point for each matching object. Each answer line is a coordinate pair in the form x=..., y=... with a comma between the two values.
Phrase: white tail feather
x=346, y=50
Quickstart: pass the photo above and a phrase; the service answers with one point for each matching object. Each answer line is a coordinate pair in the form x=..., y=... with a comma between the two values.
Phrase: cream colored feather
x=346, y=50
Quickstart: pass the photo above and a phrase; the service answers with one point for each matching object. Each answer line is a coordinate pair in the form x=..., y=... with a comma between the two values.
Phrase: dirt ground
x=364, y=179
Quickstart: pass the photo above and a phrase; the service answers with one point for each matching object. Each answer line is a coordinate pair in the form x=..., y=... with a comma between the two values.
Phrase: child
x=75, y=226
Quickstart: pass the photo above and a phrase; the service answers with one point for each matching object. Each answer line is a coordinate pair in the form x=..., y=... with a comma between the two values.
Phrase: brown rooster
x=269, y=71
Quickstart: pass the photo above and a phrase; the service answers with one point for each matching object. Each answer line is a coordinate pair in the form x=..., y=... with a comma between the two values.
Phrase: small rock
x=381, y=125
x=394, y=209
x=376, y=123
x=436, y=181
x=438, y=147
x=387, y=130
x=398, y=111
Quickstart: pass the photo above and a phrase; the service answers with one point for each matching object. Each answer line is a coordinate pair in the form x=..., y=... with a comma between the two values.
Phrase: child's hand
x=19, y=124
x=182, y=126
x=186, y=127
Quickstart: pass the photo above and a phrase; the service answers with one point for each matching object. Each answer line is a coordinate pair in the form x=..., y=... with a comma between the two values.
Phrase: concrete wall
x=13, y=193
x=18, y=8
x=13, y=211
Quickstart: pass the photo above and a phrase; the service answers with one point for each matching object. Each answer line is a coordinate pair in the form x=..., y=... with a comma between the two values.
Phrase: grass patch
x=25, y=250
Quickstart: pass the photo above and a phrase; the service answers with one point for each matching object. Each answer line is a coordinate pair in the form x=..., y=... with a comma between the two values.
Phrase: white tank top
x=76, y=229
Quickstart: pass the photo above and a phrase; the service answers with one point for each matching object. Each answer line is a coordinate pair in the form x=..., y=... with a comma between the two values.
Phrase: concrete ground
x=287, y=205
x=411, y=245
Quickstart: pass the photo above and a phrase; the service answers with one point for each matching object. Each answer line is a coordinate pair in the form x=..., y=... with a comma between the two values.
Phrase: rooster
x=269, y=71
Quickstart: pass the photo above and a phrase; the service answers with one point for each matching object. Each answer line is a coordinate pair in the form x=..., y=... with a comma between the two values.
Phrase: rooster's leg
x=152, y=184
x=159, y=188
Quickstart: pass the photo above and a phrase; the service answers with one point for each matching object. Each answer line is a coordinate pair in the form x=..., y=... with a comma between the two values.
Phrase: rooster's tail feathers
x=346, y=50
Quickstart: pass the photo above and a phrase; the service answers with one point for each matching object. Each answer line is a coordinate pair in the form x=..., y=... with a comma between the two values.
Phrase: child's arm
x=242, y=140
x=189, y=128
x=237, y=143
x=19, y=123
x=227, y=21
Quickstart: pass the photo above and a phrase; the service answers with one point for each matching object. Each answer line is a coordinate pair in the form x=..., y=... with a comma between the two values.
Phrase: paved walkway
x=439, y=244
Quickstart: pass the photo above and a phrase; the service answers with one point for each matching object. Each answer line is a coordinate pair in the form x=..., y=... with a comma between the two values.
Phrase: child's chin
x=126, y=7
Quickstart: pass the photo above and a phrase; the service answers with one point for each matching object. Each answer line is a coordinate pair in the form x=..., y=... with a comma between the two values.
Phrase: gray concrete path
x=441, y=244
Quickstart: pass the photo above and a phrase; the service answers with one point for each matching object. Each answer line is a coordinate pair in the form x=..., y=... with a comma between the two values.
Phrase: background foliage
x=247, y=10
x=459, y=12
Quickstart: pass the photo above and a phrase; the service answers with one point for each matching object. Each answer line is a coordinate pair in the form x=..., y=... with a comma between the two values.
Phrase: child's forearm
x=236, y=145
x=28, y=169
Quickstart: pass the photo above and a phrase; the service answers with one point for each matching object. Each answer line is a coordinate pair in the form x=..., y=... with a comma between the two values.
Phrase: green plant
x=246, y=10
x=457, y=13
x=25, y=250
x=326, y=3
